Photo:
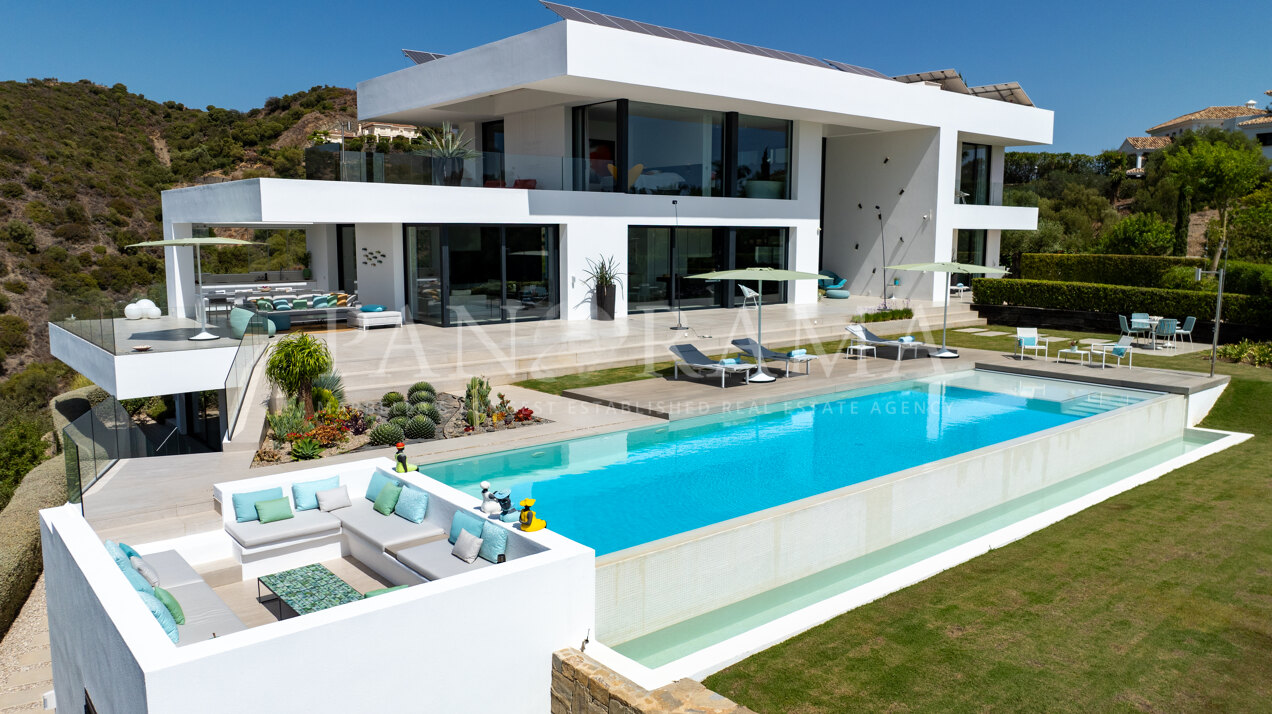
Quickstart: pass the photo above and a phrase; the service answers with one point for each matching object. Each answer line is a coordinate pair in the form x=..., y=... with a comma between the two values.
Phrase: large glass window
x=492, y=154
x=654, y=253
x=971, y=250
x=973, y=175
x=674, y=151
x=472, y=274
x=596, y=147
x=764, y=163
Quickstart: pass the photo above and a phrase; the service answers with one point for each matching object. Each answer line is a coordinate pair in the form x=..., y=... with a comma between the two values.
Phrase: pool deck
x=685, y=397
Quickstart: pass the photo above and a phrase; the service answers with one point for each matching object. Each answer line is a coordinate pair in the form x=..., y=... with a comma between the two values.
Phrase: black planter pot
x=449, y=169
x=605, y=295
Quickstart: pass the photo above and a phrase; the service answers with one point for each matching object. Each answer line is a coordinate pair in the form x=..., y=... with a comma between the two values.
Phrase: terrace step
x=222, y=572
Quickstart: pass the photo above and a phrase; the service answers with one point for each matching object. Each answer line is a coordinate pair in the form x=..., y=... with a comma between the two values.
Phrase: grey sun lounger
x=757, y=352
x=866, y=337
x=691, y=360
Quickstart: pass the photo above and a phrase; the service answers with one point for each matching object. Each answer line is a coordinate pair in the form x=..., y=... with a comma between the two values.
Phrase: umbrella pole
x=945, y=352
x=198, y=300
x=761, y=375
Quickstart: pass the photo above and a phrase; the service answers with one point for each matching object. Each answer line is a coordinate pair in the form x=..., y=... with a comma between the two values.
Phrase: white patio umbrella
x=198, y=263
x=759, y=275
x=947, y=268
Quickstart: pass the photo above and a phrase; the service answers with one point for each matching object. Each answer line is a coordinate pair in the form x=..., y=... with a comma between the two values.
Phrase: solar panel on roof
x=421, y=57
x=595, y=18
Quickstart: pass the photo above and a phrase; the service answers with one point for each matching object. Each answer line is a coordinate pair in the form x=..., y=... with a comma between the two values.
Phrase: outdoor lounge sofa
x=206, y=615
x=756, y=351
x=863, y=336
x=692, y=362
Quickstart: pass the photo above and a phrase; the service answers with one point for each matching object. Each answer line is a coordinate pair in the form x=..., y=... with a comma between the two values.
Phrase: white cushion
x=467, y=546
x=334, y=498
x=147, y=572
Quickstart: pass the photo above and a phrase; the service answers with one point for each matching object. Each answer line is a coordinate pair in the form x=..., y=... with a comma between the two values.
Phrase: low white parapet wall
x=644, y=589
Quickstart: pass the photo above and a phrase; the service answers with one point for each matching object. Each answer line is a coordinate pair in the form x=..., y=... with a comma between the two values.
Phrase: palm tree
x=293, y=365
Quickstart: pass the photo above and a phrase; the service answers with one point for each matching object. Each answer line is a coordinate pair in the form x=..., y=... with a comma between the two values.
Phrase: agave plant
x=386, y=434
x=306, y=449
x=420, y=427
x=401, y=409
x=332, y=382
x=447, y=143
x=422, y=387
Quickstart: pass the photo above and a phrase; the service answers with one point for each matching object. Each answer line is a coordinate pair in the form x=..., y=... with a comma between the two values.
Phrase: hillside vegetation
x=81, y=170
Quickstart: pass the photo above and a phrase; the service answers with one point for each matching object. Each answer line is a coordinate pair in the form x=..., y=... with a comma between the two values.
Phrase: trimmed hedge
x=1145, y=271
x=1121, y=299
x=20, y=559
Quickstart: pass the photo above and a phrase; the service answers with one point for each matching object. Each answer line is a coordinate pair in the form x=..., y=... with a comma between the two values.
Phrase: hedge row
x=1120, y=299
x=1145, y=271
x=20, y=557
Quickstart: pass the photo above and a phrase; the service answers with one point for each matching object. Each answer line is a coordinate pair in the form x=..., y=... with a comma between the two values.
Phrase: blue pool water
x=616, y=491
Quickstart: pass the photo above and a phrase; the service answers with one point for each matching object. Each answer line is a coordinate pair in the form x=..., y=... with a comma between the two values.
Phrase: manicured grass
x=1157, y=600
x=556, y=385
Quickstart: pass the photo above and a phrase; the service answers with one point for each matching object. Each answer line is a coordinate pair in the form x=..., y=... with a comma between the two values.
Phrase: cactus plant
x=475, y=418
x=422, y=387
x=391, y=398
x=400, y=422
x=420, y=427
x=477, y=396
x=422, y=396
x=386, y=434
x=431, y=411
x=401, y=409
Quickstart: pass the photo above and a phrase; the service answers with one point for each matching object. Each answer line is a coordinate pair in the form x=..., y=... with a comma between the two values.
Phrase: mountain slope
x=81, y=168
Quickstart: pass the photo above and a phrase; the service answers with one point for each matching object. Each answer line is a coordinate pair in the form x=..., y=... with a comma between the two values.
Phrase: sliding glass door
x=653, y=252
x=474, y=274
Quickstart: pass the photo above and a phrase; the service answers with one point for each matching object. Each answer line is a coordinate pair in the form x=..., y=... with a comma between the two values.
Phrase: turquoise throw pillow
x=382, y=591
x=465, y=521
x=305, y=494
x=170, y=602
x=137, y=580
x=320, y=301
x=245, y=503
x=118, y=555
x=160, y=611
x=372, y=308
x=128, y=551
x=378, y=480
x=412, y=505
x=275, y=509
x=494, y=541
x=388, y=498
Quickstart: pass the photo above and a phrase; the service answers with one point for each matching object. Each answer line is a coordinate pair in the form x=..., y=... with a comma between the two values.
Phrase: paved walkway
x=26, y=667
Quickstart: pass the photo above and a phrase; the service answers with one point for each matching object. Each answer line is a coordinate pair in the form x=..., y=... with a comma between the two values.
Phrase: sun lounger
x=863, y=336
x=758, y=352
x=692, y=362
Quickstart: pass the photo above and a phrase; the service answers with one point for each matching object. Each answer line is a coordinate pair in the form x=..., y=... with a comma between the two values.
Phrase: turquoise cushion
x=137, y=580
x=465, y=521
x=245, y=503
x=906, y=338
x=170, y=602
x=494, y=541
x=118, y=555
x=282, y=305
x=320, y=301
x=128, y=551
x=1120, y=351
x=382, y=591
x=305, y=493
x=412, y=505
x=378, y=480
x=372, y=308
x=797, y=353
x=729, y=360
x=388, y=498
x=1027, y=341
x=274, y=509
x=161, y=613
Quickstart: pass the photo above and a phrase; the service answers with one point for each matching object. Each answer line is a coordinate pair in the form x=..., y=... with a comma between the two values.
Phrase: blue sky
x=1108, y=69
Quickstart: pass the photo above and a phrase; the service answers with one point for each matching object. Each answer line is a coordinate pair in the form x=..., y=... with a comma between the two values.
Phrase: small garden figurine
x=530, y=522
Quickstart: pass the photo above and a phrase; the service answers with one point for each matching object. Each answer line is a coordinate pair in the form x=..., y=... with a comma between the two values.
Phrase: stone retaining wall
x=581, y=685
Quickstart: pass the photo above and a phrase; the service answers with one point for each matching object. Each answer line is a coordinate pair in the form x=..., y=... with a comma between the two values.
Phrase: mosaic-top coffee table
x=306, y=589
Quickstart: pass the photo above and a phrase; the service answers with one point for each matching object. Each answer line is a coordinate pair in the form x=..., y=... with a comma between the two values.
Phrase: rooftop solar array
x=421, y=57
x=595, y=18
x=1009, y=92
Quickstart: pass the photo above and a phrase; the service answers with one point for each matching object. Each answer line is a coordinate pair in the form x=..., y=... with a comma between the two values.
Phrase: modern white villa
x=677, y=541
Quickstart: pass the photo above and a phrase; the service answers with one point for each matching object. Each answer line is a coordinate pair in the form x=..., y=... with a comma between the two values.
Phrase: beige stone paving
x=26, y=670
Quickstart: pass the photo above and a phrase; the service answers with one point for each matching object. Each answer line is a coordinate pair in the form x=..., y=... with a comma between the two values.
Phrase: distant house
x=1247, y=118
x=385, y=130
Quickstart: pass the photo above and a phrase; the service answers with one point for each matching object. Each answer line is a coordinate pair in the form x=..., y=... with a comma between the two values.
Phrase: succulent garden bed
x=416, y=415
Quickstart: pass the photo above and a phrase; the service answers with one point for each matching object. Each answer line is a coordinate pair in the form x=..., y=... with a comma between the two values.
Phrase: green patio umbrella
x=947, y=268
x=198, y=263
x=759, y=275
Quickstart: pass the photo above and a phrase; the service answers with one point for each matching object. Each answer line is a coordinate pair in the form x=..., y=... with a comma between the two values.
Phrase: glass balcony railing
x=490, y=169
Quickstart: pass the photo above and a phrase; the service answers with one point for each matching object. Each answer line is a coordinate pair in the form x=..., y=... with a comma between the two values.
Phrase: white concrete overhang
x=130, y=376
x=577, y=63
x=1006, y=218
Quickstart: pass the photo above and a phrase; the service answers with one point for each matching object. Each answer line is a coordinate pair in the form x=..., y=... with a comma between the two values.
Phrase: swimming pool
x=616, y=491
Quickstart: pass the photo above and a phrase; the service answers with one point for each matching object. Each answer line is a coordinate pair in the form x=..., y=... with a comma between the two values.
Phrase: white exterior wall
x=320, y=241
x=382, y=284
x=179, y=271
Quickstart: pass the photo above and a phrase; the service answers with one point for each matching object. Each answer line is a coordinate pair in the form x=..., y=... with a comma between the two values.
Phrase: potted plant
x=603, y=278
x=449, y=149
x=766, y=184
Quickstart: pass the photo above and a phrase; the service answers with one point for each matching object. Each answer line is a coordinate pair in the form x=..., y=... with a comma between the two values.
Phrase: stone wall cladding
x=581, y=685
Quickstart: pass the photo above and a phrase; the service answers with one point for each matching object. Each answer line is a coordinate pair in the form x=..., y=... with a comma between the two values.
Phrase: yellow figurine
x=528, y=520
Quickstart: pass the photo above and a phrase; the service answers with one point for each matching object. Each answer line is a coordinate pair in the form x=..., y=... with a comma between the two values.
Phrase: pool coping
x=1121, y=378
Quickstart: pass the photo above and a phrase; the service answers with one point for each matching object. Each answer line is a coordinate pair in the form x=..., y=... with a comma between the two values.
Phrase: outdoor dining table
x=1152, y=330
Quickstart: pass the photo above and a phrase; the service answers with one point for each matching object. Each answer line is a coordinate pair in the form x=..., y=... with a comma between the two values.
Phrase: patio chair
x=1027, y=339
x=749, y=295
x=865, y=337
x=692, y=362
x=1189, y=323
x=834, y=282
x=1128, y=329
x=758, y=352
x=1165, y=331
x=1140, y=321
x=1121, y=348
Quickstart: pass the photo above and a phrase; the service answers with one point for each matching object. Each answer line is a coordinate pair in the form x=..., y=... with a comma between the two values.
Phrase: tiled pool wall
x=652, y=586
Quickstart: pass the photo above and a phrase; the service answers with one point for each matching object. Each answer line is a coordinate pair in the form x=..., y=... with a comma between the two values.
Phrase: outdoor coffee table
x=306, y=589
x=1075, y=352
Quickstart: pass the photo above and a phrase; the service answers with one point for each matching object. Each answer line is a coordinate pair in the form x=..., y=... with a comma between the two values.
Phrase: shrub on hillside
x=13, y=333
x=20, y=562
x=19, y=236
x=12, y=189
x=1148, y=271
x=1138, y=234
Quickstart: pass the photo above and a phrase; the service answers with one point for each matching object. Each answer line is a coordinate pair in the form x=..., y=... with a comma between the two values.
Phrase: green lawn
x=1157, y=600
